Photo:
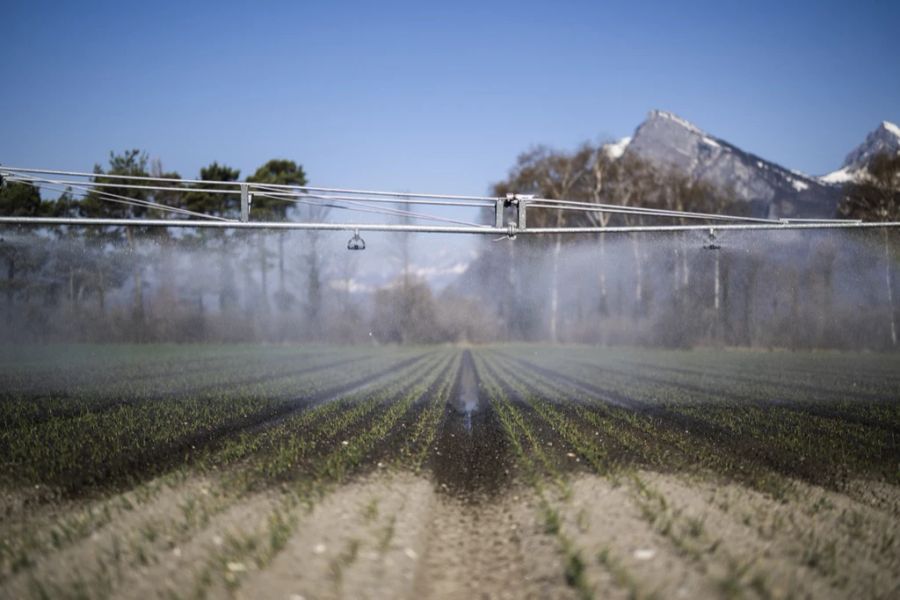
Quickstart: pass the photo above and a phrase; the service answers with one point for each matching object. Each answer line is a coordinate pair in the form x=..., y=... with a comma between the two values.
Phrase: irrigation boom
x=387, y=227
x=115, y=188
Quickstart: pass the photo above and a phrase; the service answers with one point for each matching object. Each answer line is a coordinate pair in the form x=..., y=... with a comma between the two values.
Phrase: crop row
x=134, y=436
x=573, y=415
x=327, y=453
x=825, y=449
x=274, y=452
x=855, y=375
x=532, y=457
x=874, y=418
x=59, y=367
x=306, y=451
x=118, y=389
x=419, y=441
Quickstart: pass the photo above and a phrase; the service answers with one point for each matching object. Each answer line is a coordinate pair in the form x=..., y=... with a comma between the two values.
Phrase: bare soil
x=521, y=492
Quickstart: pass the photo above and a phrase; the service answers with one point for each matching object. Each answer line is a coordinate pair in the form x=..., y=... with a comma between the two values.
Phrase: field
x=511, y=471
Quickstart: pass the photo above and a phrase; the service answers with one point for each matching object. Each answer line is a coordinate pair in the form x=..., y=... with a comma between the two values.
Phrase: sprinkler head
x=356, y=242
x=711, y=243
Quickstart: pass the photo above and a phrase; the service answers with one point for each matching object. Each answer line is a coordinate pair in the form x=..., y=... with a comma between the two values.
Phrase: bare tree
x=554, y=175
x=876, y=197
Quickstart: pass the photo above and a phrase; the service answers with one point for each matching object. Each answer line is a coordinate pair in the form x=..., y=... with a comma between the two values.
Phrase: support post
x=522, y=205
x=498, y=213
x=245, y=203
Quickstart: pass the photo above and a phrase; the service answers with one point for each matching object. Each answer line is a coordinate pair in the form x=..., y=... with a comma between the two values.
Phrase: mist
x=829, y=289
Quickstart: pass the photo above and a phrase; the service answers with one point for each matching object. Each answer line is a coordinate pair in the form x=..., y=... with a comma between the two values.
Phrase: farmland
x=505, y=471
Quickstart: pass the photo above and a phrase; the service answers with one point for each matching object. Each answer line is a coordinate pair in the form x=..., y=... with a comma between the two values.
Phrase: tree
x=590, y=174
x=876, y=197
x=221, y=205
x=108, y=200
x=278, y=171
x=281, y=171
x=16, y=200
x=551, y=174
x=19, y=200
x=406, y=316
x=111, y=201
x=629, y=182
x=172, y=195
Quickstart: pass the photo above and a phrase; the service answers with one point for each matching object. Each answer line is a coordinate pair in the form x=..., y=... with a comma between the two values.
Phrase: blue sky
x=435, y=97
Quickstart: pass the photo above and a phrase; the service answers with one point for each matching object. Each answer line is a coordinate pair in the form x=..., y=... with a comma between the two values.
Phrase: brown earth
x=393, y=534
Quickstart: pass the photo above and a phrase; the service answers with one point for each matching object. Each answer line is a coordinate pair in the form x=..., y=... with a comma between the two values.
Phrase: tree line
x=758, y=290
x=69, y=272
x=762, y=289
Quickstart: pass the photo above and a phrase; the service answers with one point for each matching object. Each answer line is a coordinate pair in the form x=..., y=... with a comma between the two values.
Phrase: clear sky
x=435, y=97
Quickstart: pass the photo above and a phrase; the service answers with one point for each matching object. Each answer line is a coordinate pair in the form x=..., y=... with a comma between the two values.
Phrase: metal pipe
x=299, y=193
x=724, y=227
x=74, y=221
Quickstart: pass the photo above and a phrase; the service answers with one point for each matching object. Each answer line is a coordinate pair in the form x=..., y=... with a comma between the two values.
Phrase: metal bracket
x=246, y=199
x=521, y=203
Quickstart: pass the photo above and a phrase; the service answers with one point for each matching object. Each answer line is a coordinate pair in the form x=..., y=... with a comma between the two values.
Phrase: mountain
x=886, y=138
x=670, y=142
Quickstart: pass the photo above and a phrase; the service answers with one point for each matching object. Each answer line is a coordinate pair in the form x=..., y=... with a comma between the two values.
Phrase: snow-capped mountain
x=886, y=138
x=670, y=142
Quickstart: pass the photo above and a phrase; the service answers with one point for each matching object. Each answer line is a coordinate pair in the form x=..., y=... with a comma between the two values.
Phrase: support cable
x=638, y=210
x=360, y=199
x=482, y=200
x=372, y=209
x=38, y=182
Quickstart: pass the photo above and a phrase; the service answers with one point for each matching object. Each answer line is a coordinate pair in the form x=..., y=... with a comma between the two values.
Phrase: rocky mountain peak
x=673, y=143
x=883, y=139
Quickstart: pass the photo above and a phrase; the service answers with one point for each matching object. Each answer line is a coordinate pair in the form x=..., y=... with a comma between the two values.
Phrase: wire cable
x=290, y=198
x=118, y=199
x=38, y=182
x=639, y=210
x=297, y=192
x=398, y=195
x=649, y=213
x=375, y=210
